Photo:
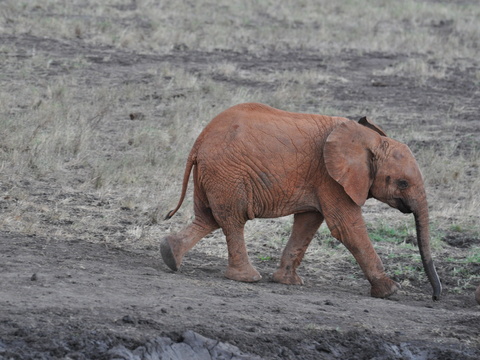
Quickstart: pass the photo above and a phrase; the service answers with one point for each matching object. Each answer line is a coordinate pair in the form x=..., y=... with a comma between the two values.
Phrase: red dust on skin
x=318, y=168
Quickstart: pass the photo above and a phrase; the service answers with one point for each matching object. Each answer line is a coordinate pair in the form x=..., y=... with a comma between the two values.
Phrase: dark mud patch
x=460, y=240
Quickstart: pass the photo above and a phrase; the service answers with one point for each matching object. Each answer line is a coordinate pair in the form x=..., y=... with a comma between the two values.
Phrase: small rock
x=323, y=348
x=34, y=277
x=137, y=116
x=378, y=83
x=127, y=319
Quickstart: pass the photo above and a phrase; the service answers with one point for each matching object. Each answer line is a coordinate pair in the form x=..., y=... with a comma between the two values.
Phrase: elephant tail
x=186, y=176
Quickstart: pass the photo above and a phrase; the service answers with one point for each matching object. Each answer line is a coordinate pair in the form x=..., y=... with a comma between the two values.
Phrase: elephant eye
x=402, y=184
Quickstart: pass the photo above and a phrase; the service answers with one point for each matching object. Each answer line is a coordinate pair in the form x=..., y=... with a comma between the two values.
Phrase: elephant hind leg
x=305, y=226
x=174, y=247
x=239, y=266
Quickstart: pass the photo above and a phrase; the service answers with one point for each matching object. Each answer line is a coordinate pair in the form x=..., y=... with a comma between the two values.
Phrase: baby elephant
x=254, y=161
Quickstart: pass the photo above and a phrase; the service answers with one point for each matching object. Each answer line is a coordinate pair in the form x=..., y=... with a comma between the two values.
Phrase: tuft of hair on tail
x=169, y=215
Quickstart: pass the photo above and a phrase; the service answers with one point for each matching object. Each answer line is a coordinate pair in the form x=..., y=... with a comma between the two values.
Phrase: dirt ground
x=80, y=299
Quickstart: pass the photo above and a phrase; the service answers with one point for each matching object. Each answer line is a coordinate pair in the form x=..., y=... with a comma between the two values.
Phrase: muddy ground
x=77, y=298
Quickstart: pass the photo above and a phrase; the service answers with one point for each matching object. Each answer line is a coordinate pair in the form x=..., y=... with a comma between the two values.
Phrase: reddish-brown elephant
x=254, y=161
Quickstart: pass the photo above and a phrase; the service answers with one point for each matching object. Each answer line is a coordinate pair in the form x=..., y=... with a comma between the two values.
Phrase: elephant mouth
x=403, y=206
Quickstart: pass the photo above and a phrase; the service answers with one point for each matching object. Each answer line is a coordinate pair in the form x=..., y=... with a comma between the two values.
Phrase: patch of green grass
x=406, y=270
x=473, y=257
x=265, y=258
x=464, y=270
x=382, y=232
x=404, y=264
x=465, y=229
x=456, y=228
x=403, y=234
x=463, y=279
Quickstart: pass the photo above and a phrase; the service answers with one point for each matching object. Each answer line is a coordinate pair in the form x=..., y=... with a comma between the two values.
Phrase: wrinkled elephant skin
x=254, y=161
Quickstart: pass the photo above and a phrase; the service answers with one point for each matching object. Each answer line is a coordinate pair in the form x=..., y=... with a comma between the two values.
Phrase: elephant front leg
x=239, y=266
x=353, y=234
x=305, y=226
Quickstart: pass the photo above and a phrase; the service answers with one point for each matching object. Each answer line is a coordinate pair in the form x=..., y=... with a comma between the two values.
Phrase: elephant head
x=367, y=163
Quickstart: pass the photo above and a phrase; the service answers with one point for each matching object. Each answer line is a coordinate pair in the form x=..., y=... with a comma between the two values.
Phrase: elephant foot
x=167, y=255
x=246, y=273
x=283, y=276
x=384, y=287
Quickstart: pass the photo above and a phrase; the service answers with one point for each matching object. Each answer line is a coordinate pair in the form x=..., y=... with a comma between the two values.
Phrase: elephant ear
x=371, y=125
x=348, y=159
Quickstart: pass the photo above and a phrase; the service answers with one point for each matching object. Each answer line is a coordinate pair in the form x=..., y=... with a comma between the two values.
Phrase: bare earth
x=78, y=298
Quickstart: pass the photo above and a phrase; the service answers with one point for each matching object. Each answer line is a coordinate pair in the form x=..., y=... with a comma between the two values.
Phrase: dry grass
x=418, y=70
x=61, y=129
x=150, y=25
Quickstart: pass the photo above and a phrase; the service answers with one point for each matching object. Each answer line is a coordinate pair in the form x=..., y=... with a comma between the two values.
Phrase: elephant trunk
x=423, y=239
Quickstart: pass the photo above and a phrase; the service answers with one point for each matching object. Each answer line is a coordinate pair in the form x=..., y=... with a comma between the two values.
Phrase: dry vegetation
x=56, y=126
x=75, y=165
